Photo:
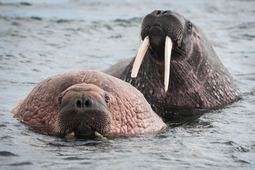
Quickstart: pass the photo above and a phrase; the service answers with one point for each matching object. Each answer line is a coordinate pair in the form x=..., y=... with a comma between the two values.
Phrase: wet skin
x=85, y=104
x=197, y=78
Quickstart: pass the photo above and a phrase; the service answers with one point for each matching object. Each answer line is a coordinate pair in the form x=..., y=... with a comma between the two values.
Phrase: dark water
x=41, y=38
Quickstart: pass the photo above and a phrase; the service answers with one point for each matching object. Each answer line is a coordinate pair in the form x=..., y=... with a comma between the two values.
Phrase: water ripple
x=7, y=154
x=22, y=163
x=43, y=38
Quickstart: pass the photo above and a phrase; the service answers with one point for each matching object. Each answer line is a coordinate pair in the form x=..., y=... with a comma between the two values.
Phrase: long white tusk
x=168, y=51
x=139, y=57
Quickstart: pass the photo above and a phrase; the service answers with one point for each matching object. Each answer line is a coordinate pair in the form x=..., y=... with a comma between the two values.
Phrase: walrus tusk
x=139, y=57
x=101, y=137
x=168, y=51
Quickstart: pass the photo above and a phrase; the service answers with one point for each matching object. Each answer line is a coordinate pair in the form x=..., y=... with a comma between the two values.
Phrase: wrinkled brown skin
x=198, y=79
x=130, y=114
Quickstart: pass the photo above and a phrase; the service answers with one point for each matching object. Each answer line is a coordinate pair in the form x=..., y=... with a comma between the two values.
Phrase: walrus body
x=86, y=102
x=178, y=66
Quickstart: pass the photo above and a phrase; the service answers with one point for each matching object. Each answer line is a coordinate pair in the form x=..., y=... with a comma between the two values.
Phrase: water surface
x=41, y=38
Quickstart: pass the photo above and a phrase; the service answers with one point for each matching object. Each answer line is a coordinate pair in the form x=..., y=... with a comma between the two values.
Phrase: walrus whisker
x=139, y=58
x=168, y=51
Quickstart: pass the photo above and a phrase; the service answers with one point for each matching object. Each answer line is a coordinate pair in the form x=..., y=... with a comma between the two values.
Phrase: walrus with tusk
x=176, y=66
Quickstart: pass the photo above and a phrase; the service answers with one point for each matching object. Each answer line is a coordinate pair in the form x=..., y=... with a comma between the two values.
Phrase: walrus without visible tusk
x=87, y=103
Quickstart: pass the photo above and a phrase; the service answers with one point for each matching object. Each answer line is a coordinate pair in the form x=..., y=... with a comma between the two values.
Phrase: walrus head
x=83, y=111
x=163, y=32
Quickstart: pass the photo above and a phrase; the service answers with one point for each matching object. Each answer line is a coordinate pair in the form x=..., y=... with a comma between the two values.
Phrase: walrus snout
x=84, y=102
x=157, y=41
x=171, y=22
x=83, y=111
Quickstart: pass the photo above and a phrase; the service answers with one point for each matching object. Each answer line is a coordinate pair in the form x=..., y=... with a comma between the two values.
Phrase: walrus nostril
x=83, y=103
x=87, y=103
x=78, y=104
x=164, y=12
x=158, y=12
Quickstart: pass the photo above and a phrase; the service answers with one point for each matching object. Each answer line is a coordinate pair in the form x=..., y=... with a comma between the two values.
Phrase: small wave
x=14, y=19
x=128, y=22
x=25, y=3
x=16, y=4
x=6, y=138
x=2, y=125
x=73, y=158
x=62, y=21
x=241, y=149
x=36, y=18
x=248, y=36
x=7, y=154
x=21, y=163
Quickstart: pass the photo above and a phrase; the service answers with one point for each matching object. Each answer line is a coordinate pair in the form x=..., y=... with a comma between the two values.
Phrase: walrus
x=85, y=104
x=176, y=67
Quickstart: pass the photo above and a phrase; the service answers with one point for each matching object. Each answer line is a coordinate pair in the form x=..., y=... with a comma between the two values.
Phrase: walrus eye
x=189, y=24
x=107, y=98
x=60, y=100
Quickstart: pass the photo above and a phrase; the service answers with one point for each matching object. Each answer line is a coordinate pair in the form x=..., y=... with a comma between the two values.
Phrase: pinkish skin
x=129, y=111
